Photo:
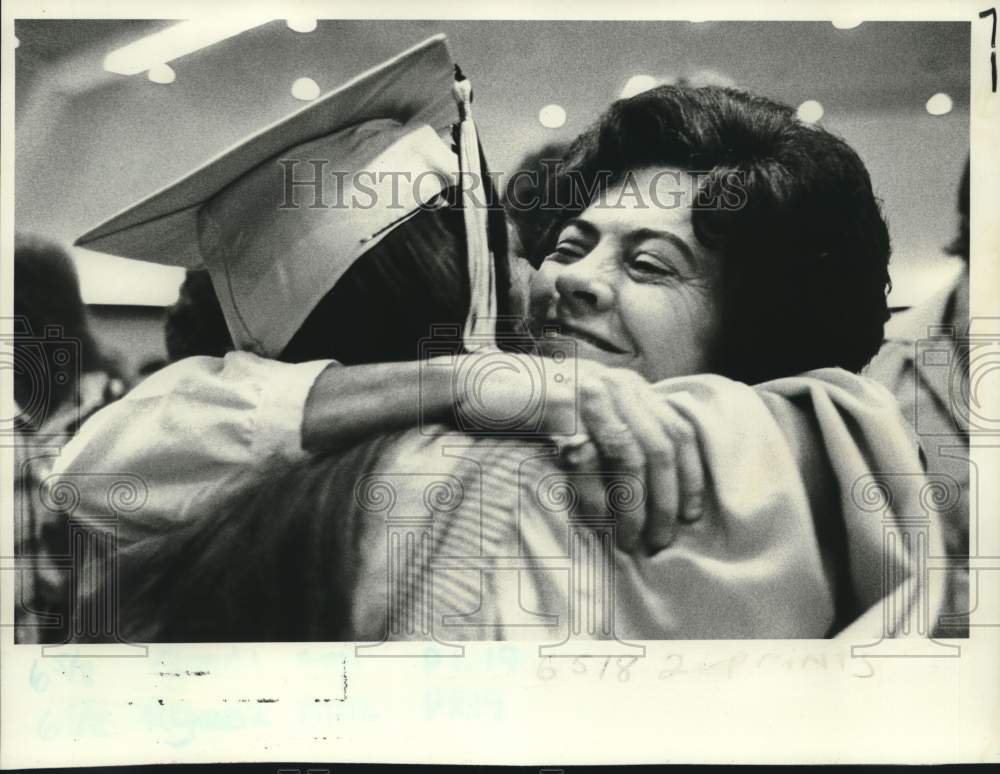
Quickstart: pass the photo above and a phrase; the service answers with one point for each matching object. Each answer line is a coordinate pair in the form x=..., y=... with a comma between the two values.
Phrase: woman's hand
x=635, y=431
x=606, y=421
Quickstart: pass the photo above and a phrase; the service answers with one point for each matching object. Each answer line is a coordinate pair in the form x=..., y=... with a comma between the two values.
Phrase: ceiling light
x=305, y=89
x=299, y=24
x=939, y=105
x=552, y=116
x=810, y=111
x=161, y=73
x=637, y=84
x=173, y=42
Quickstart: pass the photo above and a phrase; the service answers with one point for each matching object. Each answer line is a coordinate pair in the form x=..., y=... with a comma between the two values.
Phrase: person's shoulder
x=167, y=378
x=238, y=369
x=919, y=320
x=847, y=390
x=891, y=362
x=902, y=333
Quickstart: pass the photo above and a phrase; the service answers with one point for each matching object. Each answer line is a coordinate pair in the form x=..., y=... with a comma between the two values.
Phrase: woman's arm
x=610, y=419
x=350, y=403
x=204, y=425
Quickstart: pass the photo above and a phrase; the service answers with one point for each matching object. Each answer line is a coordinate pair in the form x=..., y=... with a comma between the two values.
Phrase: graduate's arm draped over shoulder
x=768, y=540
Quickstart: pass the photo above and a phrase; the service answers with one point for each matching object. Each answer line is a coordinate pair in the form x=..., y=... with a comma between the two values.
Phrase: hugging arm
x=203, y=428
x=603, y=418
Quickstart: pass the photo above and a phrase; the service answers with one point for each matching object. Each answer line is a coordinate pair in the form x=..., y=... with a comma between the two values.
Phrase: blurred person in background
x=195, y=324
x=48, y=306
x=60, y=378
x=926, y=398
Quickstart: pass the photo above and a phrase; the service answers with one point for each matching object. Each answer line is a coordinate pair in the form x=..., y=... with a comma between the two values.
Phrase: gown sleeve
x=817, y=503
x=190, y=434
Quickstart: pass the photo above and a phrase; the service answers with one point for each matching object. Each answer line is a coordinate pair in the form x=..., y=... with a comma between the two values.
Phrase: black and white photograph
x=448, y=374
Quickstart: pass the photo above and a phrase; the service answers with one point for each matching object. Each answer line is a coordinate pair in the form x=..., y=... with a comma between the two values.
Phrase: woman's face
x=630, y=284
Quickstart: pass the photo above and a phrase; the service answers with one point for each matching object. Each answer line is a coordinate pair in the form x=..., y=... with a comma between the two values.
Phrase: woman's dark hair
x=789, y=205
x=49, y=311
x=524, y=196
x=415, y=279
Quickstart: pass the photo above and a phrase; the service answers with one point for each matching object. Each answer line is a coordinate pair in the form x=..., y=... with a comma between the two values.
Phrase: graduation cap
x=380, y=147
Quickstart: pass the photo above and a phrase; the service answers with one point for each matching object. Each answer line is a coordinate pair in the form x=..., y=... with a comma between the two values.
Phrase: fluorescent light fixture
x=107, y=279
x=174, y=42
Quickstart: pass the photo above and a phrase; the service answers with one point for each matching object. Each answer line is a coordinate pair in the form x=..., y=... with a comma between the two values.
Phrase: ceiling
x=91, y=142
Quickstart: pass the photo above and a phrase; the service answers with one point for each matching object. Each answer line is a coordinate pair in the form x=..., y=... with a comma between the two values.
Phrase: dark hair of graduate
x=274, y=564
x=412, y=283
x=789, y=205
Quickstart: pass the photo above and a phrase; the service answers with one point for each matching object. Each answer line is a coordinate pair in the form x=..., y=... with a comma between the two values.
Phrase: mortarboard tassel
x=480, y=325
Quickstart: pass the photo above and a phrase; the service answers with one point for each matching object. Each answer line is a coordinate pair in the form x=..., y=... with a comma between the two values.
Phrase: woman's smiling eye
x=648, y=264
x=568, y=250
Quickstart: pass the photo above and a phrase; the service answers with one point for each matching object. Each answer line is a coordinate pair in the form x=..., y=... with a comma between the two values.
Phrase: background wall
x=91, y=142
